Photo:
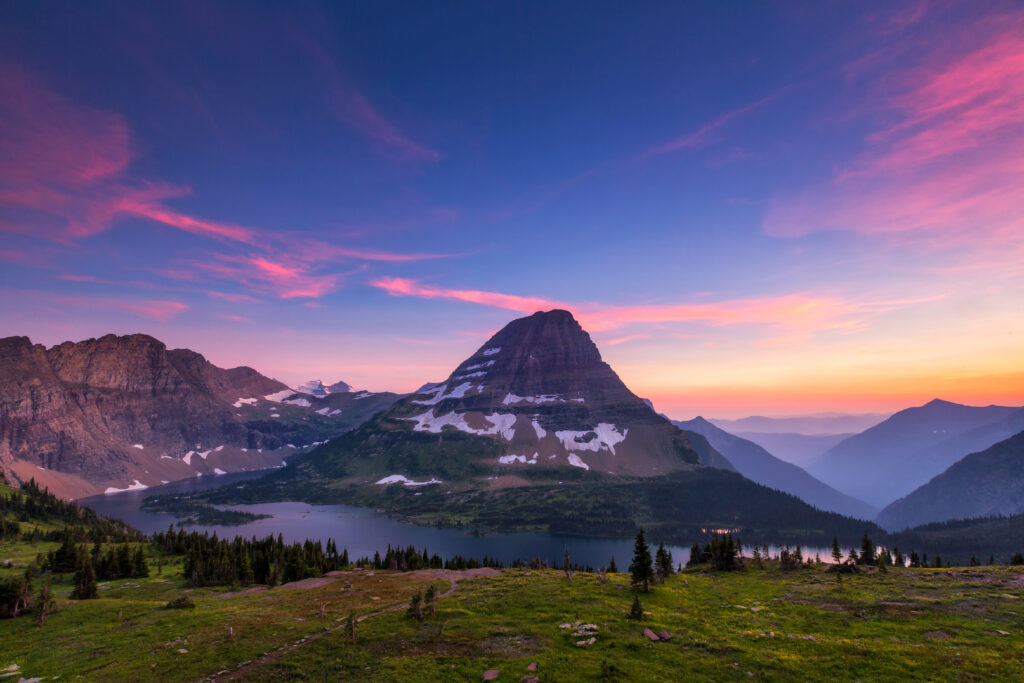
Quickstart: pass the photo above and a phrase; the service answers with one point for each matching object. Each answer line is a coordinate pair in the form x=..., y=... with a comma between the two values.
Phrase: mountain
x=757, y=464
x=127, y=412
x=823, y=423
x=983, y=484
x=315, y=387
x=535, y=431
x=799, y=449
x=895, y=457
x=536, y=397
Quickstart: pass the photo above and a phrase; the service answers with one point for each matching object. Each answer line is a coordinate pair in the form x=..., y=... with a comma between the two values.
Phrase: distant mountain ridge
x=820, y=424
x=127, y=412
x=757, y=464
x=799, y=449
x=983, y=484
x=896, y=456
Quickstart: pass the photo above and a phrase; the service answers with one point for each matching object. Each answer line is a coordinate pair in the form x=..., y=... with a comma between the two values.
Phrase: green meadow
x=761, y=624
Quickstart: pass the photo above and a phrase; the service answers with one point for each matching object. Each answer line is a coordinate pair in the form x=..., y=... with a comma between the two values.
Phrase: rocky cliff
x=126, y=411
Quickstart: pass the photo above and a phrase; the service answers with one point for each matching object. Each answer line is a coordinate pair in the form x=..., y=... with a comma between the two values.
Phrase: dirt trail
x=449, y=575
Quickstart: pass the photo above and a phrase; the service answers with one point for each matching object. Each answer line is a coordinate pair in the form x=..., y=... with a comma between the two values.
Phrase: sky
x=766, y=208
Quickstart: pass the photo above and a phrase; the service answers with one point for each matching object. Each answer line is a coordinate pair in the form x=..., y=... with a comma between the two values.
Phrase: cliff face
x=114, y=411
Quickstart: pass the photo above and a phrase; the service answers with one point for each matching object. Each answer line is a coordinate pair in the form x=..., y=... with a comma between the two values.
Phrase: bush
x=184, y=602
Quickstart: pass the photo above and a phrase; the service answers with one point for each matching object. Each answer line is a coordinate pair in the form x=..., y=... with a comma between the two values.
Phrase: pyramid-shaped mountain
x=535, y=398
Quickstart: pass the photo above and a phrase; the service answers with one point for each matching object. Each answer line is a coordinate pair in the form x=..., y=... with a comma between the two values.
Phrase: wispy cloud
x=948, y=170
x=706, y=133
x=65, y=168
x=798, y=311
x=352, y=107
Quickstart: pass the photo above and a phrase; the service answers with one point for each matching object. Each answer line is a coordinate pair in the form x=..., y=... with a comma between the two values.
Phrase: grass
x=760, y=624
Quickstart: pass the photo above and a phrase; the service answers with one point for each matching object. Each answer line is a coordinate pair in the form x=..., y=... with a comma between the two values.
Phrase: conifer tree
x=837, y=554
x=350, y=627
x=663, y=563
x=636, y=612
x=46, y=602
x=85, y=581
x=416, y=607
x=642, y=571
x=867, y=551
x=612, y=569
x=430, y=601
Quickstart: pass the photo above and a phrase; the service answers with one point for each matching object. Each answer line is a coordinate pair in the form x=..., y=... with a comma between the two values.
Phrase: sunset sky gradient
x=770, y=208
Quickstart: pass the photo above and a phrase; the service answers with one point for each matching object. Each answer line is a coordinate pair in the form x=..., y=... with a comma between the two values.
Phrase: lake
x=364, y=531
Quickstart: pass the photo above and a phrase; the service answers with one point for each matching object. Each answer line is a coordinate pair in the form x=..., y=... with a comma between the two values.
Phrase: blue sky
x=770, y=207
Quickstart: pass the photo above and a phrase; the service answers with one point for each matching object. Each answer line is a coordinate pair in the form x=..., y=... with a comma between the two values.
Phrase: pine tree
x=416, y=607
x=85, y=581
x=915, y=559
x=867, y=551
x=245, y=572
x=642, y=571
x=837, y=554
x=612, y=569
x=663, y=563
x=46, y=602
x=350, y=627
x=140, y=568
x=430, y=601
x=757, y=556
x=636, y=612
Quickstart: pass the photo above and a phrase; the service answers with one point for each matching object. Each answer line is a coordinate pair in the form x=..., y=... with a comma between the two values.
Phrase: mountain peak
x=540, y=389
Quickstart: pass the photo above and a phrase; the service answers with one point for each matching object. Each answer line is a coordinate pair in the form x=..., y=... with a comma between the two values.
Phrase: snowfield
x=575, y=461
x=405, y=481
x=501, y=423
x=605, y=436
x=137, y=486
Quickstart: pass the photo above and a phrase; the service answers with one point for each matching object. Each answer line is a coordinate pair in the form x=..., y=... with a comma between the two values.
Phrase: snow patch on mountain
x=491, y=352
x=457, y=392
x=405, y=481
x=603, y=436
x=277, y=397
x=501, y=423
x=480, y=373
x=137, y=486
x=298, y=402
x=541, y=432
x=478, y=366
x=246, y=401
x=509, y=459
x=138, y=445
x=544, y=398
x=575, y=461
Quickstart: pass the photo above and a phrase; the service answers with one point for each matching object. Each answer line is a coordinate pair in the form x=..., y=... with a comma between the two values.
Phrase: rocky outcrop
x=116, y=410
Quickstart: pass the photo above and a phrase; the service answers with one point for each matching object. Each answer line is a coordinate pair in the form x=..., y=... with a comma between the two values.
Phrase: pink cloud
x=67, y=165
x=949, y=168
x=45, y=140
x=795, y=311
x=626, y=339
x=155, y=309
x=354, y=108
